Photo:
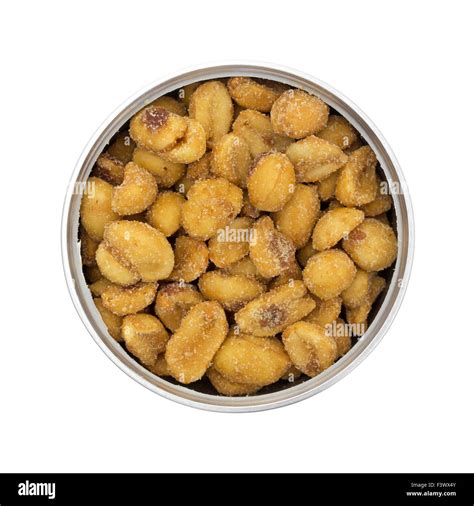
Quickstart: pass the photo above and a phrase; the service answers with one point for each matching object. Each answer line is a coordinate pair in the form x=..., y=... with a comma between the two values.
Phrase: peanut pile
x=236, y=230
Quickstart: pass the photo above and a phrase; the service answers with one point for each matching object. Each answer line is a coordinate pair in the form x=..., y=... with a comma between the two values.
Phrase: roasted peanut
x=211, y=204
x=115, y=267
x=329, y=273
x=325, y=312
x=96, y=207
x=315, y=159
x=327, y=186
x=166, y=173
x=245, y=267
x=121, y=148
x=298, y=114
x=271, y=252
x=256, y=130
x=192, y=347
x=275, y=310
x=109, y=169
x=383, y=218
x=97, y=287
x=335, y=225
x=297, y=218
x=248, y=209
x=381, y=204
x=139, y=249
x=341, y=334
x=145, y=337
x=230, y=388
x=156, y=128
x=231, y=243
x=173, y=301
x=211, y=105
x=292, y=273
x=186, y=92
x=137, y=191
x=165, y=213
x=305, y=253
x=111, y=320
x=339, y=131
x=359, y=314
x=271, y=181
x=128, y=300
x=233, y=291
x=372, y=245
x=160, y=367
x=251, y=360
x=191, y=259
x=250, y=94
x=88, y=247
x=171, y=105
x=190, y=147
x=358, y=291
x=357, y=182
x=310, y=349
x=231, y=159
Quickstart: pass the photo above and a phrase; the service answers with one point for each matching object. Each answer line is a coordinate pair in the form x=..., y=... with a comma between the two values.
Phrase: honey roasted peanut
x=96, y=207
x=339, y=131
x=256, y=130
x=271, y=252
x=136, y=193
x=251, y=360
x=309, y=347
x=298, y=114
x=192, y=347
x=357, y=182
x=271, y=181
x=165, y=172
x=122, y=300
x=145, y=337
x=233, y=291
x=191, y=259
x=157, y=129
x=231, y=243
x=329, y=273
x=231, y=159
x=165, y=213
x=297, y=218
x=372, y=245
x=131, y=251
x=230, y=388
x=251, y=94
x=211, y=205
x=335, y=225
x=275, y=310
x=212, y=107
x=173, y=301
x=315, y=159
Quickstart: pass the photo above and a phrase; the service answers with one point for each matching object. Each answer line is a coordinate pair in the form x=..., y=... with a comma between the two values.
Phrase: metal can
x=388, y=308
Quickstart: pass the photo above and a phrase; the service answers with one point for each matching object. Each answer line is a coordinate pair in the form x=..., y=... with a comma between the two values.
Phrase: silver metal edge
x=82, y=300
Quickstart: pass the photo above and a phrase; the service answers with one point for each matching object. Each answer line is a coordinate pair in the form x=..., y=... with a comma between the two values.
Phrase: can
x=388, y=308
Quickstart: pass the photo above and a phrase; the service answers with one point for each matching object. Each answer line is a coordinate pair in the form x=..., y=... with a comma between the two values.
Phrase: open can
x=271, y=397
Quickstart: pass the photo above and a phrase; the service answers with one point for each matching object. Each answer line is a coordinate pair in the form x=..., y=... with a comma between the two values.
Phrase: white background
x=65, y=66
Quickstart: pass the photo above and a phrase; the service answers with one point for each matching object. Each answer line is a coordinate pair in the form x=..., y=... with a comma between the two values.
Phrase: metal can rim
x=82, y=299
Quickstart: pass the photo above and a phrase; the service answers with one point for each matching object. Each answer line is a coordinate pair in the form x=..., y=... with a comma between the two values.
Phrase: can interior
x=204, y=385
